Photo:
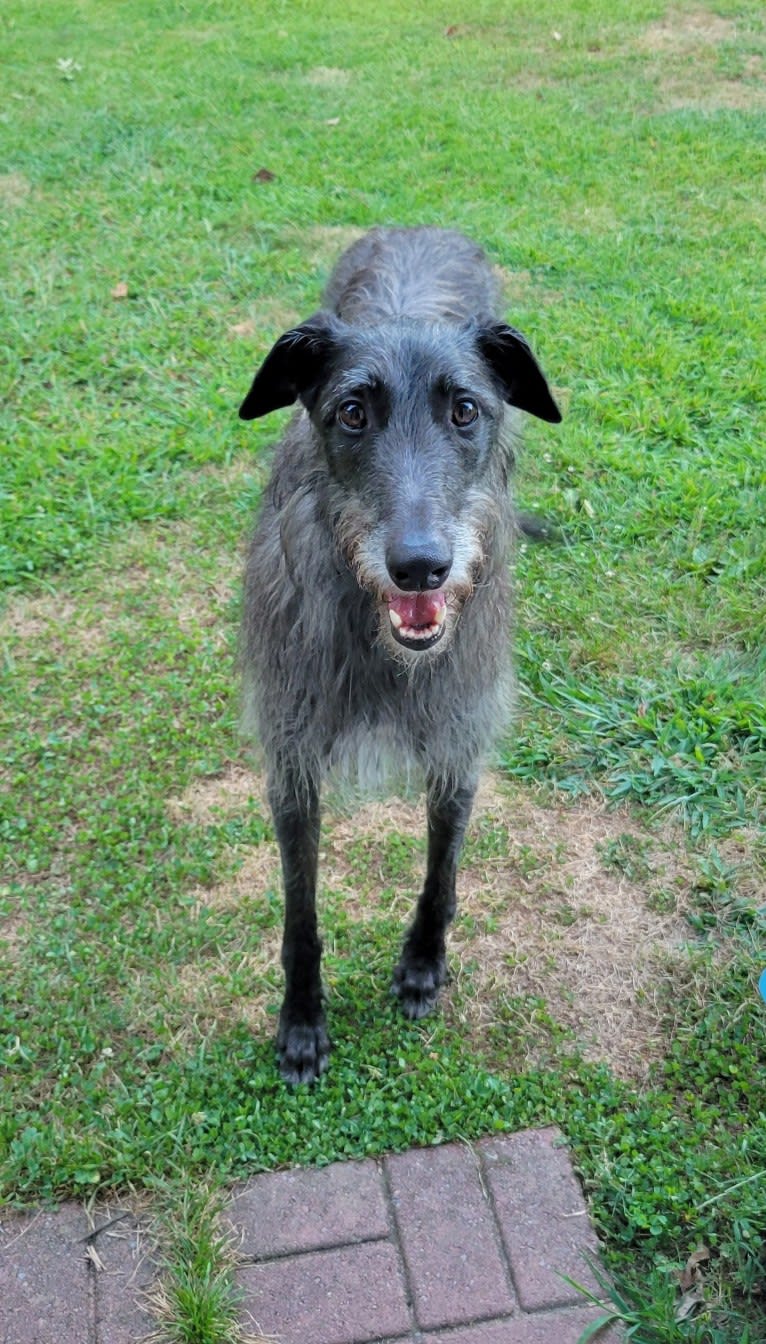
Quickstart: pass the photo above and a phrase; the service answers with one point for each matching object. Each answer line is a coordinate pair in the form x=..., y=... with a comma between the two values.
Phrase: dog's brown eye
x=464, y=412
x=351, y=415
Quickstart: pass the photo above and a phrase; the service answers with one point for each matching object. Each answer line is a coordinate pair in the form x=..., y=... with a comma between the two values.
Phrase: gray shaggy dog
x=377, y=608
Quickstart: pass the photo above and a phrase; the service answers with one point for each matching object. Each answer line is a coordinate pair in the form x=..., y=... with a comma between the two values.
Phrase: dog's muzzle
x=417, y=619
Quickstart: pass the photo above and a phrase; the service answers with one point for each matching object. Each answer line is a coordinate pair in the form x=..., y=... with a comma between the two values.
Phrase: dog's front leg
x=422, y=968
x=302, y=1038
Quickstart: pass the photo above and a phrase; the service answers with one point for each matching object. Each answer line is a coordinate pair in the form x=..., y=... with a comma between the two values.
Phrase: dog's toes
x=417, y=982
x=304, y=1051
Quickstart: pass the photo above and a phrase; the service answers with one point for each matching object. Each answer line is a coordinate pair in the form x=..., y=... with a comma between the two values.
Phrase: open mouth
x=417, y=619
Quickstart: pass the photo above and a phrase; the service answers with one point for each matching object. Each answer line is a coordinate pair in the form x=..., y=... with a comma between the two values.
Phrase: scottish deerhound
x=377, y=599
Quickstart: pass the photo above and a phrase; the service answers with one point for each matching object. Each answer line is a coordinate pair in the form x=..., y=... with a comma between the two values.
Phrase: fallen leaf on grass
x=692, y=1284
x=68, y=68
x=690, y=1274
x=689, y=1304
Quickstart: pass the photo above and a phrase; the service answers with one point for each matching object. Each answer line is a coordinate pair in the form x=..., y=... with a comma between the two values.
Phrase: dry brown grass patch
x=550, y=920
x=13, y=932
x=48, y=620
x=14, y=189
x=556, y=903
x=324, y=243
x=206, y=801
x=328, y=76
x=687, y=32
x=158, y=567
x=258, y=873
x=523, y=289
x=203, y=988
x=686, y=47
x=267, y=318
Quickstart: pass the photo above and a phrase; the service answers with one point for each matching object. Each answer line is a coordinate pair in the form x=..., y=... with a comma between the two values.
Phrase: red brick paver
x=328, y=1297
x=456, y=1244
x=449, y=1237
x=306, y=1210
x=44, y=1282
x=125, y=1269
x=542, y=1217
x=547, y=1327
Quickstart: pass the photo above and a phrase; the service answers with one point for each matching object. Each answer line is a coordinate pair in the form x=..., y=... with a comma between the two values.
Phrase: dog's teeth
x=395, y=618
x=440, y=615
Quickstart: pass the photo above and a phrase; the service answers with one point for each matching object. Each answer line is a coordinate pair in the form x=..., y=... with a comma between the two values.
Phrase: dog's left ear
x=293, y=368
x=522, y=379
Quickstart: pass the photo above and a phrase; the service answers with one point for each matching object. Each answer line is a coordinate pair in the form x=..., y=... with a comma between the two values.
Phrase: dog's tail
x=534, y=527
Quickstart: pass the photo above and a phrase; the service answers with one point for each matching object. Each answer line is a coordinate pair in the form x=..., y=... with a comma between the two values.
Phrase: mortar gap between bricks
x=561, y=1308
x=504, y=1256
x=92, y=1272
x=245, y=1259
x=409, y=1294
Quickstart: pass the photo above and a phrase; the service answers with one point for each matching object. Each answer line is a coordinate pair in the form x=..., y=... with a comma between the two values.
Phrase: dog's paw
x=417, y=981
x=304, y=1050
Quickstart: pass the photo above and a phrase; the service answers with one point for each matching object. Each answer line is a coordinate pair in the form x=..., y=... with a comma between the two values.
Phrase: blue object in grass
x=762, y=984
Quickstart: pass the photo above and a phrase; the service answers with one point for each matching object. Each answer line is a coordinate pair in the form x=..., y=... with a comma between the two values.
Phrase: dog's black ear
x=293, y=368
x=522, y=379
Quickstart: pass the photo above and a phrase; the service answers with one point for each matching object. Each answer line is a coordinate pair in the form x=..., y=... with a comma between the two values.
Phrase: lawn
x=176, y=181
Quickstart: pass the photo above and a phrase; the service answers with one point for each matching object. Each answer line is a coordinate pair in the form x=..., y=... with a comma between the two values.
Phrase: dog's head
x=408, y=418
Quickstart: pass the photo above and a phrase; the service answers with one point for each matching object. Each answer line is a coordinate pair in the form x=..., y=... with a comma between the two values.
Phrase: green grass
x=614, y=172
x=691, y=740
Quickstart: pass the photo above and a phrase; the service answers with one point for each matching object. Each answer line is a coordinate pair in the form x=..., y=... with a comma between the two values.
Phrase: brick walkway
x=454, y=1245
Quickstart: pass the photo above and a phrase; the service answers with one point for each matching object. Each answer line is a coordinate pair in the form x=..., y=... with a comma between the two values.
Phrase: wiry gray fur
x=409, y=327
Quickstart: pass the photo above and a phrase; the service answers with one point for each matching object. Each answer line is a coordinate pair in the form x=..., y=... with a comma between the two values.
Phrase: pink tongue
x=418, y=609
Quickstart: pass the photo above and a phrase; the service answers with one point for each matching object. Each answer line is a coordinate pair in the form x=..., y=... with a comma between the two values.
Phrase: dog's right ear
x=293, y=368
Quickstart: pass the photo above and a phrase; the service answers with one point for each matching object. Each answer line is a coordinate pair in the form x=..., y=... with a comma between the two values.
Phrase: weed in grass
x=195, y=1298
x=628, y=854
x=649, y=1311
x=663, y=900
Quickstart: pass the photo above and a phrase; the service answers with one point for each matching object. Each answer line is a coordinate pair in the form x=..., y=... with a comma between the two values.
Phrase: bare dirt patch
x=575, y=906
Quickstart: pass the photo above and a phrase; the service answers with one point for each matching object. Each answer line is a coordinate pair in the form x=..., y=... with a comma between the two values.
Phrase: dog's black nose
x=418, y=564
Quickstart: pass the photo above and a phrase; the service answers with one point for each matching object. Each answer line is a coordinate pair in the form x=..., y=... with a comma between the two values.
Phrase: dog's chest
x=373, y=758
